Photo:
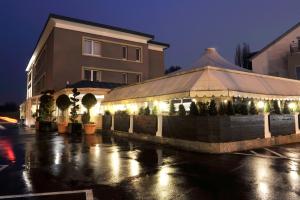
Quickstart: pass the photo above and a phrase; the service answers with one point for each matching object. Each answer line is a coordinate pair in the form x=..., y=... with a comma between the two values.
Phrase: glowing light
x=225, y=101
x=194, y=100
x=134, y=168
x=163, y=176
x=7, y=150
x=115, y=163
x=163, y=106
x=261, y=104
x=8, y=119
x=292, y=106
x=263, y=189
x=27, y=180
x=133, y=108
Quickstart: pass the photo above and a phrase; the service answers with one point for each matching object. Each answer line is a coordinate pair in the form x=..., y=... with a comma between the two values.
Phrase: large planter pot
x=89, y=128
x=75, y=128
x=62, y=127
x=47, y=126
x=37, y=125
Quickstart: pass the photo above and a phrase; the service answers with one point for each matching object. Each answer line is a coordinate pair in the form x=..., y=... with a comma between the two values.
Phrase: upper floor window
x=91, y=47
x=124, y=52
x=138, y=54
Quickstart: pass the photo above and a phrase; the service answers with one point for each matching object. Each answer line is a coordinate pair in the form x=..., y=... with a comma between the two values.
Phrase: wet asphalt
x=115, y=168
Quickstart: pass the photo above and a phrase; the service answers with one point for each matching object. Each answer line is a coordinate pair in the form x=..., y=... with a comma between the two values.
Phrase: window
x=138, y=54
x=87, y=75
x=91, y=47
x=124, y=52
x=92, y=75
x=124, y=75
x=138, y=78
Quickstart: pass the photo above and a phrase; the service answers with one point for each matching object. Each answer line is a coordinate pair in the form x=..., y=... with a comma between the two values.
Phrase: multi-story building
x=71, y=51
x=281, y=57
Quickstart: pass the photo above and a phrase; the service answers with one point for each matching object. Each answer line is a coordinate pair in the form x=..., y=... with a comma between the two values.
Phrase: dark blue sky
x=188, y=26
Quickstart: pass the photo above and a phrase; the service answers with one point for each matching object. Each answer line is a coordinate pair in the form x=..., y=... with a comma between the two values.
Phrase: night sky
x=188, y=26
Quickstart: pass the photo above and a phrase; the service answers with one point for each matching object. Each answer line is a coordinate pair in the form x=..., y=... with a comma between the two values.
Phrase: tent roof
x=209, y=81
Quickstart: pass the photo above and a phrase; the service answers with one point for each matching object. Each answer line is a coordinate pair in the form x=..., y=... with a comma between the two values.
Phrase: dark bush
x=141, y=111
x=244, y=108
x=212, y=109
x=252, y=109
x=147, y=111
x=267, y=108
x=222, y=109
x=154, y=110
x=276, y=107
x=172, y=109
x=181, y=111
x=85, y=118
x=193, y=109
x=75, y=106
x=286, y=109
x=203, y=108
x=230, y=109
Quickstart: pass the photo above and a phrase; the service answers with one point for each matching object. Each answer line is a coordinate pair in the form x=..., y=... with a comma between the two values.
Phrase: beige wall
x=274, y=60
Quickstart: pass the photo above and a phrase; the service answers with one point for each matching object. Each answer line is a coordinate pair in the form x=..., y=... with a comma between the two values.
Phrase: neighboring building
x=281, y=57
x=70, y=50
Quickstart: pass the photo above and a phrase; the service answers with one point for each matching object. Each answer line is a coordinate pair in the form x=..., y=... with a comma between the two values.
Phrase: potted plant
x=74, y=127
x=63, y=103
x=46, y=108
x=88, y=101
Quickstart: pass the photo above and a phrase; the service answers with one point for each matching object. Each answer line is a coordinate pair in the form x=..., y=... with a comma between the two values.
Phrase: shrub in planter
x=172, y=109
x=154, y=110
x=222, y=109
x=203, y=108
x=181, y=111
x=63, y=103
x=244, y=108
x=276, y=107
x=107, y=112
x=147, y=111
x=267, y=107
x=46, y=108
x=230, y=108
x=74, y=126
x=193, y=109
x=286, y=109
x=88, y=101
x=141, y=111
x=252, y=109
x=212, y=109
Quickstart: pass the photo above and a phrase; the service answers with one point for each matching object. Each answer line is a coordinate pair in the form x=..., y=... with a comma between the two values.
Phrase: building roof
x=50, y=23
x=275, y=41
x=208, y=81
x=93, y=84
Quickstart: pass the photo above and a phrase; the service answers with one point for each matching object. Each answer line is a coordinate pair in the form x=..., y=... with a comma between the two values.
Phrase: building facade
x=71, y=50
x=281, y=57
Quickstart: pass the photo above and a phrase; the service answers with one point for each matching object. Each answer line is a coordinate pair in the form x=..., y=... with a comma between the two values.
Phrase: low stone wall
x=217, y=148
x=214, y=129
x=282, y=124
x=106, y=122
x=121, y=122
x=145, y=124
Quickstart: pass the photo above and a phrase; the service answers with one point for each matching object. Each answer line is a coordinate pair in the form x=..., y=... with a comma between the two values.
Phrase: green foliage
x=181, y=111
x=267, y=108
x=244, y=108
x=85, y=118
x=107, y=112
x=286, y=109
x=203, y=108
x=88, y=101
x=75, y=106
x=154, y=110
x=229, y=108
x=121, y=112
x=193, y=109
x=276, y=107
x=147, y=111
x=212, y=108
x=172, y=109
x=252, y=109
x=63, y=103
x=46, y=106
x=222, y=109
x=141, y=111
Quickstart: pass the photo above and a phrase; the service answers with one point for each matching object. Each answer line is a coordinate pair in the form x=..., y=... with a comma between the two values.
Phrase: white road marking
x=278, y=154
x=88, y=194
x=2, y=167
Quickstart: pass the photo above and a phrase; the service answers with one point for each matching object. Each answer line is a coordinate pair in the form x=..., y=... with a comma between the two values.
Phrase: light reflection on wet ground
x=116, y=168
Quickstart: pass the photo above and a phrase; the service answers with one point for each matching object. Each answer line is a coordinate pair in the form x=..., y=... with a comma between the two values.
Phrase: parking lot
x=52, y=166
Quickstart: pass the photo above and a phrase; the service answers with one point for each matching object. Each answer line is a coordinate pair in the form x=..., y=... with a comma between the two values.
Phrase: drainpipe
x=267, y=125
